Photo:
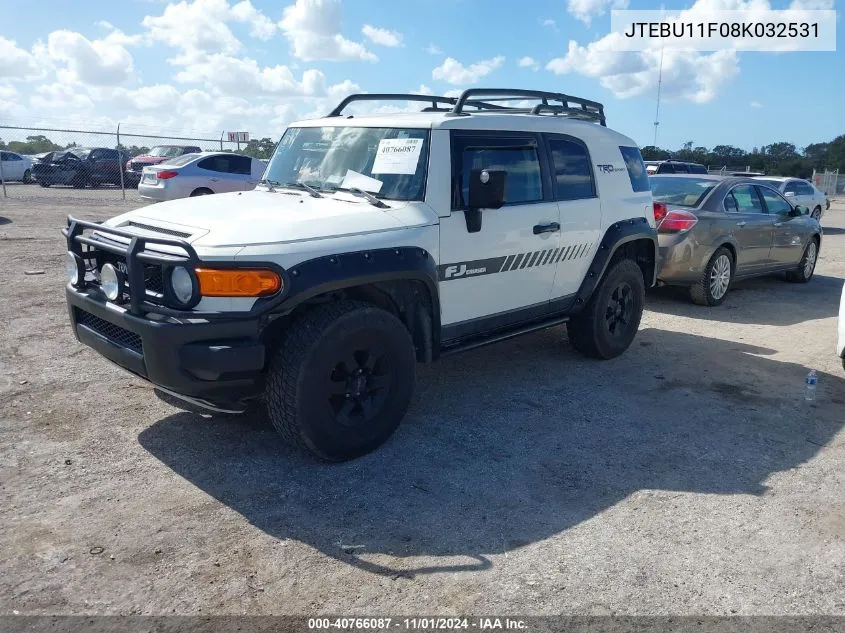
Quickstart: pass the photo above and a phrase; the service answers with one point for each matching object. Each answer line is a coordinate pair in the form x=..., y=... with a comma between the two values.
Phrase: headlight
x=72, y=267
x=182, y=285
x=110, y=282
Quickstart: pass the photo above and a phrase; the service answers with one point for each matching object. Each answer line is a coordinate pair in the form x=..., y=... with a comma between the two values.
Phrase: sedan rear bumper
x=682, y=258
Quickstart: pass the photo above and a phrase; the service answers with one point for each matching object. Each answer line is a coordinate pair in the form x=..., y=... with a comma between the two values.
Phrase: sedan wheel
x=807, y=265
x=817, y=213
x=715, y=279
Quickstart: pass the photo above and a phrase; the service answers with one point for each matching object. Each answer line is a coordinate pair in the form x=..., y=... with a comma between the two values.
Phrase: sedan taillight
x=167, y=174
x=677, y=222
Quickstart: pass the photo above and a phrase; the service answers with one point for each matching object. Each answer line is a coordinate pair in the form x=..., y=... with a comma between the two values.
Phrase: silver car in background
x=800, y=192
x=713, y=230
x=199, y=175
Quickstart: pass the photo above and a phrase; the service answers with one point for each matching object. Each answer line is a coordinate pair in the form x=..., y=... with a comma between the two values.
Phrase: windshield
x=80, y=152
x=165, y=151
x=388, y=162
x=680, y=192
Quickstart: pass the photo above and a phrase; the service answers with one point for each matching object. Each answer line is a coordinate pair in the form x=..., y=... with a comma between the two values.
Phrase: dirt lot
x=688, y=476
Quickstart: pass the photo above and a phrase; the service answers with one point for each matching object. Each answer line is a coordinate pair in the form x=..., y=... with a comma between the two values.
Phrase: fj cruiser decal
x=478, y=267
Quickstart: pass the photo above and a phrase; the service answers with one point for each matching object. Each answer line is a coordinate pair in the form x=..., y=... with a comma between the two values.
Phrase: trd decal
x=609, y=169
x=520, y=261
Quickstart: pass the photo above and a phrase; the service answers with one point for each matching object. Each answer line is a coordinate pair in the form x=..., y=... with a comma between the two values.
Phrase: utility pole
x=659, y=83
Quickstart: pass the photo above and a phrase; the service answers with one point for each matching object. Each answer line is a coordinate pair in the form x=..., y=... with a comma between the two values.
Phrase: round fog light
x=110, y=282
x=182, y=285
x=72, y=268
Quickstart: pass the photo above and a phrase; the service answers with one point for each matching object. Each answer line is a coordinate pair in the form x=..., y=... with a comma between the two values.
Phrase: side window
x=636, y=168
x=13, y=157
x=774, y=202
x=219, y=163
x=666, y=168
x=572, y=173
x=805, y=189
x=791, y=187
x=97, y=154
x=517, y=157
x=695, y=168
x=743, y=199
x=681, y=168
x=240, y=164
x=4, y=156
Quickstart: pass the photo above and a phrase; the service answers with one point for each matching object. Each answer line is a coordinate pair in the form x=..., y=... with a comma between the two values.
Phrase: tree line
x=781, y=159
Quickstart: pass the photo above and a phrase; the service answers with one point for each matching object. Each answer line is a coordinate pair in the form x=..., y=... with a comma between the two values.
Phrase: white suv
x=373, y=243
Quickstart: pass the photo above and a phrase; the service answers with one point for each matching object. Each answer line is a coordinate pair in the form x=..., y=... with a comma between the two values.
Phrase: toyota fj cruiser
x=373, y=243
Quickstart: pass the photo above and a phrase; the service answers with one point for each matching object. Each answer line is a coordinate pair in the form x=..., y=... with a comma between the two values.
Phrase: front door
x=503, y=273
x=787, y=244
x=753, y=228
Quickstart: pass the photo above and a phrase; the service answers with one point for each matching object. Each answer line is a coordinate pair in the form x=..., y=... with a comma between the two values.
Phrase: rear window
x=180, y=160
x=636, y=168
x=680, y=192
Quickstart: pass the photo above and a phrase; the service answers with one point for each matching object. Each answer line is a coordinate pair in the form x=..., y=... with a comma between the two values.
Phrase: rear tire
x=716, y=279
x=609, y=322
x=341, y=380
x=807, y=265
x=202, y=191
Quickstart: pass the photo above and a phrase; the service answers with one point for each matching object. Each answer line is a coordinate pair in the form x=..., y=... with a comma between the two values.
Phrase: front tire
x=341, y=380
x=807, y=265
x=607, y=325
x=817, y=214
x=27, y=177
x=716, y=279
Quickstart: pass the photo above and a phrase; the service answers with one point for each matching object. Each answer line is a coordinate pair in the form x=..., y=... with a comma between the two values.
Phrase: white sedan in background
x=15, y=167
x=800, y=192
x=199, y=175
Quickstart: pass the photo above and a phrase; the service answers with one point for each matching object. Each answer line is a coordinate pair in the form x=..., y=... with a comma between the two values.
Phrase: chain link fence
x=831, y=182
x=85, y=165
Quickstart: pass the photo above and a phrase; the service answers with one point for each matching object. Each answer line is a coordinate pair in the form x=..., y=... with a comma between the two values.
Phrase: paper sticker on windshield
x=397, y=156
x=354, y=180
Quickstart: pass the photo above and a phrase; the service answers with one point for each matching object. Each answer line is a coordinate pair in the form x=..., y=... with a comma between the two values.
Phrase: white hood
x=262, y=217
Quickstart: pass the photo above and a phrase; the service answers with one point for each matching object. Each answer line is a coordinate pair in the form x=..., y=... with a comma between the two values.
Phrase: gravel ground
x=688, y=476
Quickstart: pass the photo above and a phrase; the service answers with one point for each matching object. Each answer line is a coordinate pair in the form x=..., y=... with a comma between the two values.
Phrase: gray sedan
x=200, y=175
x=714, y=230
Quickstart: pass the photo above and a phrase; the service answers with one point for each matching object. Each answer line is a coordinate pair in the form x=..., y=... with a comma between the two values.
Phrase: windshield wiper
x=301, y=185
x=373, y=200
x=268, y=183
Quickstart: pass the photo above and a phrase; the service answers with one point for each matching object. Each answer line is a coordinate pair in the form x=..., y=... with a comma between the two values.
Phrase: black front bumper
x=221, y=362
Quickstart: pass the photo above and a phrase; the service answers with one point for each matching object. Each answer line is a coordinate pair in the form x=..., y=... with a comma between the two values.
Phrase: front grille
x=153, y=278
x=158, y=229
x=114, y=333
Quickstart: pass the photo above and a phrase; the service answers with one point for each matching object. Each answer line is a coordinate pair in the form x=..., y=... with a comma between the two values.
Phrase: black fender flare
x=378, y=267
x=616, y=236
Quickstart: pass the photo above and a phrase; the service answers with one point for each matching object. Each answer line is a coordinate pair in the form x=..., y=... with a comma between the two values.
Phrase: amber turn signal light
x=238, y=282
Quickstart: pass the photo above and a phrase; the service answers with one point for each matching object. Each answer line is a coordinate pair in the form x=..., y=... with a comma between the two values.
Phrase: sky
x=200, y=67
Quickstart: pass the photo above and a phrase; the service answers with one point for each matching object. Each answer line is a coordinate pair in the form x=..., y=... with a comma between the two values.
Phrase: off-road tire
x=701, y=292
x=804, y=272
x=303, y=375
x=589, y=331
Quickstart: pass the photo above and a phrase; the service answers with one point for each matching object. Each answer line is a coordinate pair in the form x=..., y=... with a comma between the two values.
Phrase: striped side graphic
x=517, y=261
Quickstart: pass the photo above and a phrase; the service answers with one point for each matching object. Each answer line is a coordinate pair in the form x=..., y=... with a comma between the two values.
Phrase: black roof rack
x=567, y=105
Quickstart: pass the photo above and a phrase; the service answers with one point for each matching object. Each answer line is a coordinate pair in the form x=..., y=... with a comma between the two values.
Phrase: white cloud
x=260, y=26
x=433, y=49
x=755, y=104
x=586, y=10
x=687, y=75
x=382, y=36
x=194, y=28
x=97, y=63
x=551, y=24
x=313, y=29
x=238, y=76
x=60, y=96
x=14, y=61
x=156, y=97
x=811, y=4
x=423, y=90
x=453, y=72
x=529, y=62
x=337, y=92
x=104, y=25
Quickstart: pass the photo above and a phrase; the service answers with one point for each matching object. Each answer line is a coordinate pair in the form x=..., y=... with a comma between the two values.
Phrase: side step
x=501, y=336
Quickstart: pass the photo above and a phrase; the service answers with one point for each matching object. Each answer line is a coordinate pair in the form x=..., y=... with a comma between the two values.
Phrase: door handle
x=740, y=223
x=551, y=227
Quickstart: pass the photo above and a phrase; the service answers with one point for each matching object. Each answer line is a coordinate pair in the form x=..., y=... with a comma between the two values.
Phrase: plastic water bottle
x=810, y=390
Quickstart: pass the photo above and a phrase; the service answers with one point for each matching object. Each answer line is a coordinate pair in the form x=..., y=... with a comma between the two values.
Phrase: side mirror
x=486, y=191
x=798, y=211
